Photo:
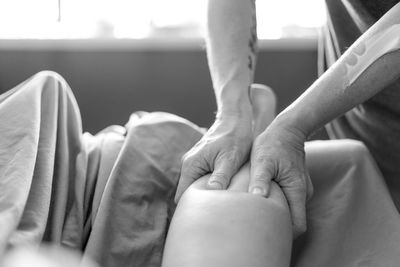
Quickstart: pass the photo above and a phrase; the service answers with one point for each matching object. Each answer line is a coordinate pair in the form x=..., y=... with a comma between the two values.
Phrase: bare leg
x=229, y=228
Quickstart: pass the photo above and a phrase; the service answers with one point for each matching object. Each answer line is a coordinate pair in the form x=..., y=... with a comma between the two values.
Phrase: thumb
x=223, y=172
x=261, y=174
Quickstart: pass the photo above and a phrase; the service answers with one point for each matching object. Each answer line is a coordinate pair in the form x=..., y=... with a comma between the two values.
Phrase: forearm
x=231, y=50
x=342, y=87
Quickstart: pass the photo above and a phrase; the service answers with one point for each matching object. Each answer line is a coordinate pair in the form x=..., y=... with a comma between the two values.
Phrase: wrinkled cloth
x=110, y=196
x=351, y=218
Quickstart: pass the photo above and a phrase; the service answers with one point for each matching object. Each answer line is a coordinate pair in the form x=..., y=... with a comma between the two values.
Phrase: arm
x=231, y=50
x=229, y=228
x=278, y=153
x=342, y=87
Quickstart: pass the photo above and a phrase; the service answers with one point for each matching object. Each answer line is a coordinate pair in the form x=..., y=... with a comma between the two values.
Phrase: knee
x=335, y=158
x=353, y=156
x=49, y=80
x=356, y=153
x=49, y=76
x=343, y=151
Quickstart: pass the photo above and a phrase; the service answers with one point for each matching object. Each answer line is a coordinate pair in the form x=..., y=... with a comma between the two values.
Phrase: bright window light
x=289, y=18
x=137, y=19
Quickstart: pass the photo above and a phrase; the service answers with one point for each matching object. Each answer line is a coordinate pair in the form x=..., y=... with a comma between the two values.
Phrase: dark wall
x=109, y=85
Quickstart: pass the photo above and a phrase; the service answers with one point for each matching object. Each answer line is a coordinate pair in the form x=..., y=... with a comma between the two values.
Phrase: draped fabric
x=351, y=219
x=108, y=195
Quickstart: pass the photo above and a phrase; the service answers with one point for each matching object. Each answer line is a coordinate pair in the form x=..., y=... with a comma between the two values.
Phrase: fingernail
x=215, y=185
x=258, y=191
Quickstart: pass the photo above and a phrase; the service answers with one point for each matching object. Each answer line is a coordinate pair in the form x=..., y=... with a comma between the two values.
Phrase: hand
x=225, y=147
x=221, y=151
x=278, y=154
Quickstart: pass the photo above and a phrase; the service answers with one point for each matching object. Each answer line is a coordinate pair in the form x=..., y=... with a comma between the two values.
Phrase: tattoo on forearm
x=250, y=64
x=253, y=37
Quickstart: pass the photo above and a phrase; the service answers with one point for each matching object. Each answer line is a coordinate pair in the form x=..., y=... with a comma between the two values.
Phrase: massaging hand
x=278, y=154
x=221, y=151
x=225, y=147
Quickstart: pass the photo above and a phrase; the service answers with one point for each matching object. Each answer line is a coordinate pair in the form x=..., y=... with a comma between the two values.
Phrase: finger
x=261, y=173
x=191, y=171
x=263, y=101
x=224, y=169
x=295, y=193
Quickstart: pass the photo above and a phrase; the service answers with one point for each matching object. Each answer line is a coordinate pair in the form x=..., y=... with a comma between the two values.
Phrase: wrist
x=286, y=122
x=234, y=101
x=237, y=109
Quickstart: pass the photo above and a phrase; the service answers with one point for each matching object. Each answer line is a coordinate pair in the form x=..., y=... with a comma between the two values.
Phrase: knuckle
x=296, y=194
x=193, y=165
x=188, y=156
x=184, y=159
x=295, y=181
x=232, y=157
x=260, y=157
x=220, y=177
x=263, y=156
x=186, y=162
x=301, y=187
x=260, y=178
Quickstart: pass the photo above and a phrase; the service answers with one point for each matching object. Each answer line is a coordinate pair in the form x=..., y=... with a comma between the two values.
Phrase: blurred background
x=120, y=56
